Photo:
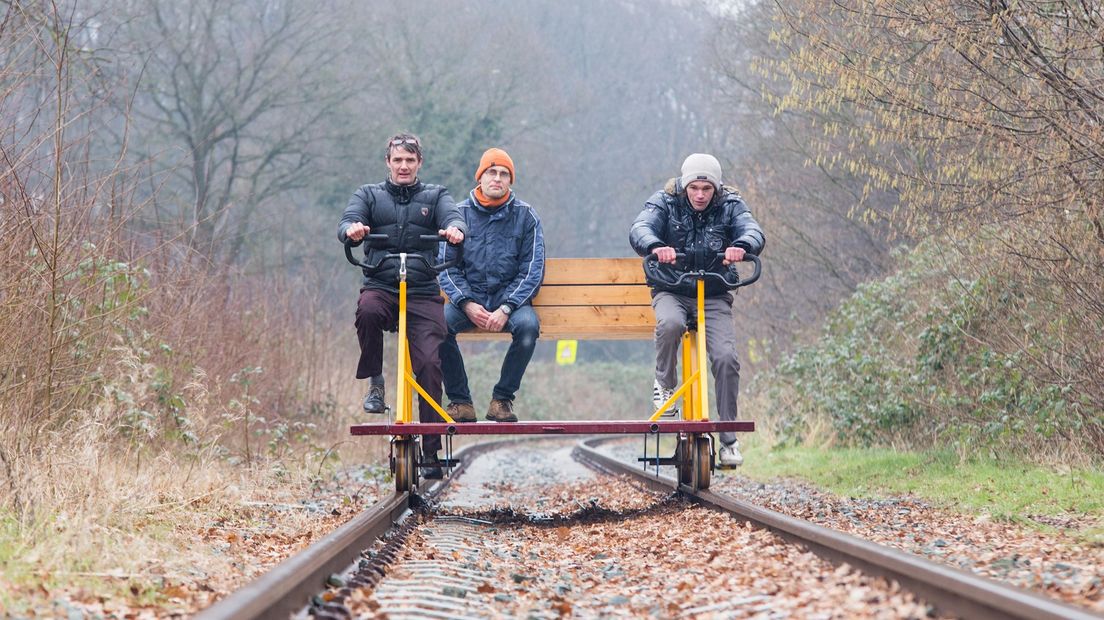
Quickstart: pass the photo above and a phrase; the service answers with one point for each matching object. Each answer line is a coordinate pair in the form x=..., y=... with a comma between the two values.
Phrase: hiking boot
x=501, y=411
x=461, y=412
x=661, y=395
x=373, y=402
x=729, y=455
x=432, y=470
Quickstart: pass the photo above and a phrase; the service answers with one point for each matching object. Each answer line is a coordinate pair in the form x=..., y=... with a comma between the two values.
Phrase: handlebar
x=731, y=279
x=372, y=269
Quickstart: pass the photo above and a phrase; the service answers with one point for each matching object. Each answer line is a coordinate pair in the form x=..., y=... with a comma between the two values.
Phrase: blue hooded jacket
x=503, y=260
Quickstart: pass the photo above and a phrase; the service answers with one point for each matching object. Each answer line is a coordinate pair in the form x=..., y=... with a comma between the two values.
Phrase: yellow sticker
x=565, y=351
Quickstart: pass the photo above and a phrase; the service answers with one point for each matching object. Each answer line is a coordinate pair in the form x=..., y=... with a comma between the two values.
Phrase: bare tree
x=460, y=92
x=826, y=236
x=231, y=99
x=57, y=303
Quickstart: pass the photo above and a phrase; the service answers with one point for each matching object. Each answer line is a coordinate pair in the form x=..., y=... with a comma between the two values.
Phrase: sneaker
x=461, y=412
x=661, y=395
x=501, y=411
x=373, y=402
x=431, y=469
x=729, y=455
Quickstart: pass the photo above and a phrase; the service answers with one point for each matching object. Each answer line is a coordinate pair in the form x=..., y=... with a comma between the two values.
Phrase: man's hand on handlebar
x=729, y=277
x=733, y=255
x=665, y=254
x=356, y=231
x=452, y=234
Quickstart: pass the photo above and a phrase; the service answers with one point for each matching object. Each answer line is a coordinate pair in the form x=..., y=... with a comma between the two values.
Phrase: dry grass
x=161, y=423
x=126, y=539
x=109, y=518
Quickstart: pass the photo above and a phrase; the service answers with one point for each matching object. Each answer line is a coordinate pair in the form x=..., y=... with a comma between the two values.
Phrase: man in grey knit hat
x=697, y=213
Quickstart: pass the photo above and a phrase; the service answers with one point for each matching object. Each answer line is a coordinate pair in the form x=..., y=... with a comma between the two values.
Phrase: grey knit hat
x=701, y=167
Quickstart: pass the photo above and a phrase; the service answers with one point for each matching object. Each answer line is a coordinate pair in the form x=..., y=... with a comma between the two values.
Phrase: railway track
x=479, y=557
x=291, y=586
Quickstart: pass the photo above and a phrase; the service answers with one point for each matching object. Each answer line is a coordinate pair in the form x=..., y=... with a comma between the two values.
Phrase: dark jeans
x=378, y=311
x=523, y=325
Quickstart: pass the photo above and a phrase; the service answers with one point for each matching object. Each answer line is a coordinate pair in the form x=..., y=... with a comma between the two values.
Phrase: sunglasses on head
x=402, y=141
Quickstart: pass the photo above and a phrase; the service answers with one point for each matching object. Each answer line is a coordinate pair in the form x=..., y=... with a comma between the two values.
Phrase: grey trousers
x=671, y=314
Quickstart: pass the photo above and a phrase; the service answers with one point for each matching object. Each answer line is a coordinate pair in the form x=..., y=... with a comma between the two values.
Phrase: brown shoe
x=461, y=412
x=501, y=411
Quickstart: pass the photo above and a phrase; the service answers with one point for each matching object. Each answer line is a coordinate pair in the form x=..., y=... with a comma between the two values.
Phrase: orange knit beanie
x=495, y=157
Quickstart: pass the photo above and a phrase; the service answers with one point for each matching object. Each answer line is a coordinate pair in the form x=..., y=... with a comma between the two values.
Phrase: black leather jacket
x=668, y=220
x=403, y=212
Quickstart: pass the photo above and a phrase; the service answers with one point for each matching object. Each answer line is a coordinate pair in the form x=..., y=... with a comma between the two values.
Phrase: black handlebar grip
x=651, y=262
x=371, y=269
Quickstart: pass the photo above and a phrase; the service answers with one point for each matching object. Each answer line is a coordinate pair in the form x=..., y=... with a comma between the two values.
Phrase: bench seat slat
x=588, y=323
x=593, y=271
x=571, y=333
x=598, y=317
x=593, y=295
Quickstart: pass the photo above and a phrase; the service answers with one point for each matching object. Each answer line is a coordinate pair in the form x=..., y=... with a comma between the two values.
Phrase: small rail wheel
x=703, y=462
x=684, y=456
x=404, y=466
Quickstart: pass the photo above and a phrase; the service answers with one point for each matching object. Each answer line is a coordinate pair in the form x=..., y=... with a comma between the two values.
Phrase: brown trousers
x=425, y=321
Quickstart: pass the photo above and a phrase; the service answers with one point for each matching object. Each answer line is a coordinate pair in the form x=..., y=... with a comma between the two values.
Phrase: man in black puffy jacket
x=695, y=214
x=403, y=208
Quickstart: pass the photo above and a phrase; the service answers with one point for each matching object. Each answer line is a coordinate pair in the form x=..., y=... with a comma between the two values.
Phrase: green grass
x=1006, y=490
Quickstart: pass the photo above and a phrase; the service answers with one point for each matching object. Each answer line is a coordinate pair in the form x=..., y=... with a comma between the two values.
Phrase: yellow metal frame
x=404, y=399
x=694, y=389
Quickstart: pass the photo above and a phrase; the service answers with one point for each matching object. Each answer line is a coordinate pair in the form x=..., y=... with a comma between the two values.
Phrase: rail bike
x=580, y=298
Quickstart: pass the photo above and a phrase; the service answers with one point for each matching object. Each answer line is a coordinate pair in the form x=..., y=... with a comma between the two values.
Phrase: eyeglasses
x=402, y=141
x=497, y=174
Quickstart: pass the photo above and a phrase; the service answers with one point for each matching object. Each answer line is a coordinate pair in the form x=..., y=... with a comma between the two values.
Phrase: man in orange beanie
x=492, y=286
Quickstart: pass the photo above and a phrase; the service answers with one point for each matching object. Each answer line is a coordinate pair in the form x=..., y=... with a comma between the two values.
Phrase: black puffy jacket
x=668, y=220
x=403, y=212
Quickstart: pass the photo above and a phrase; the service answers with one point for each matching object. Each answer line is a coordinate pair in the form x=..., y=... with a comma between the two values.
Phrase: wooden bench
x=591, y=299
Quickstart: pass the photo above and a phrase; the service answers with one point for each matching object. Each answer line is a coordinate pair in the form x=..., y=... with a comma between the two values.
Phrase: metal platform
x=573, y=427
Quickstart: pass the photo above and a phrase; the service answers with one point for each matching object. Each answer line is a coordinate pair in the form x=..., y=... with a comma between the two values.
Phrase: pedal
x=663, y=460
x=450, y=463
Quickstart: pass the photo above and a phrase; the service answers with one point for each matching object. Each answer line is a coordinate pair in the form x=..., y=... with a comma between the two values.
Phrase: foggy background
x=243, y=127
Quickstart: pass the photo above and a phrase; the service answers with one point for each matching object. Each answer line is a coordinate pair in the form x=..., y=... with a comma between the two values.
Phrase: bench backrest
x=592, y=299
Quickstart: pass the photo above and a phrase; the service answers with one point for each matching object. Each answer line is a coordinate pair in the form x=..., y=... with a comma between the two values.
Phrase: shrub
x=923, y=357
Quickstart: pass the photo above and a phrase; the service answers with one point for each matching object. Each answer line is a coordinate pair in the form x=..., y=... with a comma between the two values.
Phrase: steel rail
x=949, y=590
x=289, y=586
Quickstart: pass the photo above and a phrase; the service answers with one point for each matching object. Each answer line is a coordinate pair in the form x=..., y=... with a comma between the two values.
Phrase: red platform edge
x=573, y=427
